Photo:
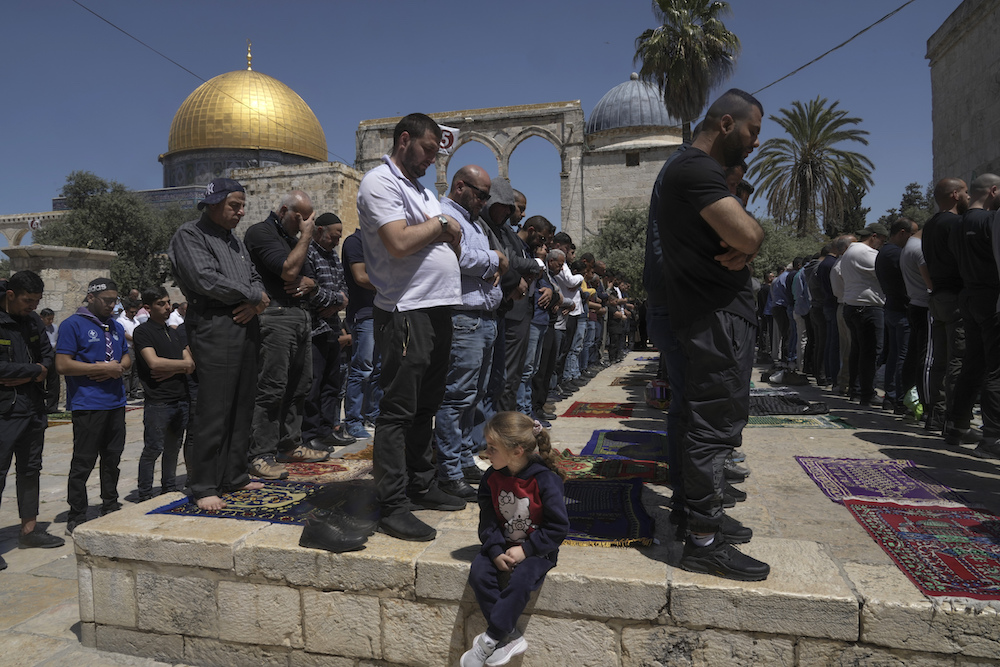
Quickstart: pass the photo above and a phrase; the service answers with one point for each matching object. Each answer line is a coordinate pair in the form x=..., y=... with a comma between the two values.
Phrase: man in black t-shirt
x=163, y=364
x=972, y=244
x=708, y=239
x=947, y=331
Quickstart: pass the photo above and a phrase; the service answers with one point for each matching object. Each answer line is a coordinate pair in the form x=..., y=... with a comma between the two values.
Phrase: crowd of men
x=918, y=301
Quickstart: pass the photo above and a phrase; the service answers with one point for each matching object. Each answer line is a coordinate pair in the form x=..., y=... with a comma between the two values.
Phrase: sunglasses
x=481, y=195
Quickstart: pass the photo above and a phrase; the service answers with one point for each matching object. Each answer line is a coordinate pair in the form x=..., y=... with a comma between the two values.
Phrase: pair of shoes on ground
x=38, y=539
x=357, y=431
x=335, y=531
x=472, y=474
x=303, y=454
x=404, y=525
x=955, y=437
x=73, y=524
x=731, y=529
x=336, y=439
x=265, y=467
x=734, y=472
x=722, y=559
x=988, y=449
x=458, y=488
x=487, y=651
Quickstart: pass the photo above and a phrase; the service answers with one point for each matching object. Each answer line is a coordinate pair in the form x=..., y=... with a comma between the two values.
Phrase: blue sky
x=81, y=95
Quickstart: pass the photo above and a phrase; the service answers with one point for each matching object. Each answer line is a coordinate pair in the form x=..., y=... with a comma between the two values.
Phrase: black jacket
x=23, y=346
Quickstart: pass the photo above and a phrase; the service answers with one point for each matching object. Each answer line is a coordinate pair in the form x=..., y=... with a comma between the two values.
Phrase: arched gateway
x=501, y=129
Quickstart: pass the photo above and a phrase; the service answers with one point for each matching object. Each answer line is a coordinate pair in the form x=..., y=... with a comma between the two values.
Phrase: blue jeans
x=362, y=391
x=164, y=425
x=589, y=332
x=472, y=340
x=662, y=336
x=535, y=335
x=897, y=342
x=572, y=370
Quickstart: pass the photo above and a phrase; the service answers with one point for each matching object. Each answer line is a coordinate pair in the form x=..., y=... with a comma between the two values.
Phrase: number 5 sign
x=449, y=136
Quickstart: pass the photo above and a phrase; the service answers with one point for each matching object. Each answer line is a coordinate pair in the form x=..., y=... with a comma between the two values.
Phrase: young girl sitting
x=522, y=522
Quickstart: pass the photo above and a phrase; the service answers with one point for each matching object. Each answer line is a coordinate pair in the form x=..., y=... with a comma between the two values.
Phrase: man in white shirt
x=177, y=317
x=863, y=307
x=411, y=254
x=133, y=388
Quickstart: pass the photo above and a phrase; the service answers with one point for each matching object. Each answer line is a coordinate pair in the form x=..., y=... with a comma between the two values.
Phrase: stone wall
x=332, y=186
x=609, y=182
x=204, y=591
x=15, y=227
x=965, y=90
x=65, y=271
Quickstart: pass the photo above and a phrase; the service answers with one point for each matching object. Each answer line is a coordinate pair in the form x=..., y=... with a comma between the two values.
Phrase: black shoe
x=580, y=382
x=3, y=563
x=458, y=488
x=553, y=397
x=336, y=439
x=728, y=501
x=548, y=416
x=889, y=404
x=323, y=445
x=735, y=473
x=39, y=539
x=436, y=499
x=738, y=496
x=73, y=524
x=961, y=436
x=988, y=449
x=733, y=531
x=935, y=421
x=472, y=474
x=723, y=560
x=405, y=526
x=334, y=532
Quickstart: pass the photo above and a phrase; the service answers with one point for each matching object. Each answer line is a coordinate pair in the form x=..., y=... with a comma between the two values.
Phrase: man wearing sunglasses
x=474, y=331
x=92, y=353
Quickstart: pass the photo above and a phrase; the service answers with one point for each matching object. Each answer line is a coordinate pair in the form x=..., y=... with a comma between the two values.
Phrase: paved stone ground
x=39, y=617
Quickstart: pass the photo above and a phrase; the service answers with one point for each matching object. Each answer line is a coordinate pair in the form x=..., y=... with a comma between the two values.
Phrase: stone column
x=571, y=192
x=66, y=272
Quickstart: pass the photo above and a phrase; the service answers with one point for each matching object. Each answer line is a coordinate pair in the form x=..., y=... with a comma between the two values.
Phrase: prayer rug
x=365, y=454
x=607, y=514
x=656, y=358
x=785, y=405
x=806, y=421
x=333, y=470
x=772, y=391
x=631, y=381
x=892, y=479
x=278, y=502
x=602, y=468
x=600, y=410
x=639, y=445
x=952, y=551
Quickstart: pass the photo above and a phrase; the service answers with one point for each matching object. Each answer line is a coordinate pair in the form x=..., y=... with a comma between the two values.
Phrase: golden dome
x=247, y=109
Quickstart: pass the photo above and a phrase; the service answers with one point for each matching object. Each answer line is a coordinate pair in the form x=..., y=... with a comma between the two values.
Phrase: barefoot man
x=224, y=295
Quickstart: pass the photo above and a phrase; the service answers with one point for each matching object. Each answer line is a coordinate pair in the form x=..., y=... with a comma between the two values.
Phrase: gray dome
x=631, y=104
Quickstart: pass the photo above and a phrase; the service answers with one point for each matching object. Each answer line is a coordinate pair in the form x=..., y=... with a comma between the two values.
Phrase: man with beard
x=707, y=239
x=411, y=255
x=474, y=331
x=947, y=331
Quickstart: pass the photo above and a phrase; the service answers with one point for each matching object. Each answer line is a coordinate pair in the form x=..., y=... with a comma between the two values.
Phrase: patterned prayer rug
x=600, y=410
x=640, y=445
x=631, y=381
x=943, y=550
x=772, y=391
x=607, y=514
x=277, y=502
x=892, y=479
x=810, y=421
x=656, y=358
x=602, y=468
x=365, y=454
x=333, y=470
x=785, y=405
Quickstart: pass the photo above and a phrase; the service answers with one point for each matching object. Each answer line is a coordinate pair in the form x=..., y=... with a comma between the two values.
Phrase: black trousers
x=916, y=364
x=416, y=347
x=23, y=437
x=52, y=390
x=515, y=352
x=718, y=361
x=779, y=315
x=981, y=365
x=322, y=400
x=96, y=433
x=226, y=356
x=817, y=342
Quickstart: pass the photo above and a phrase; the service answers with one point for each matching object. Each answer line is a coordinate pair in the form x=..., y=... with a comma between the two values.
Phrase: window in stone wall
x=632, y=159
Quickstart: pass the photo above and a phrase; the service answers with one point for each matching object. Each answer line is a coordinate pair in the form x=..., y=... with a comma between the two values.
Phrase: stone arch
x=501, y=129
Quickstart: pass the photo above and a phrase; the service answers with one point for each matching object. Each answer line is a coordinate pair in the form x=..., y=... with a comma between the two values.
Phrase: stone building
x=965, y=91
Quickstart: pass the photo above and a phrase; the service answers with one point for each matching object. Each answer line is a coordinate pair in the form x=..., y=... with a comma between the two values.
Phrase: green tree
x=105, y=215
x=621, y=244
x=855, y=215
x=688, y=55
x=805, y=176
x=915, y=204
x=781, y=245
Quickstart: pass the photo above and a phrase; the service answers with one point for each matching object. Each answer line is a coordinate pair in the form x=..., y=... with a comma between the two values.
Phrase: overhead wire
x=203, y=80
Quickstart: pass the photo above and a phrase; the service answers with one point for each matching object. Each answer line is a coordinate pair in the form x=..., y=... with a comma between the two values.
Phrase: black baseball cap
x=218, y=190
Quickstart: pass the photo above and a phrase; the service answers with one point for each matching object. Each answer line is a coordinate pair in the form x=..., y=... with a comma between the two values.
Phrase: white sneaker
x=482, y=648
x=504, y=652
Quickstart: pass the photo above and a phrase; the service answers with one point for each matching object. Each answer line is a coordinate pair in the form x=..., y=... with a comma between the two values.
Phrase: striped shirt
x=330, y=286
x=212, y=266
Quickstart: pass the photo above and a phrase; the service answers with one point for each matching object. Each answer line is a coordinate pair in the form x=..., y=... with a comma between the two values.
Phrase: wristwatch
x=444, y=223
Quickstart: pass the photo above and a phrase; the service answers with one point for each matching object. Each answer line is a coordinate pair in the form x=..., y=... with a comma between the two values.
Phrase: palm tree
x=806, y=174
x=688, y=55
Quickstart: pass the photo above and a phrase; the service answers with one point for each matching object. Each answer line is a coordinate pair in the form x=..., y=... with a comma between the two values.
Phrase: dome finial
x=249, y=57
x=634, y=77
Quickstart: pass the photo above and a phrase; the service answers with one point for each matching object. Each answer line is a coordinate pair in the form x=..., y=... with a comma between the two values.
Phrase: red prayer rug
x=599, y=467
x=333, y=470
x=600, y=410
x=952, y=551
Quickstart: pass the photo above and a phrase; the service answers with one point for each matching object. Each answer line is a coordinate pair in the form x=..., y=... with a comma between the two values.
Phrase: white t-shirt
x=127, y=324
x=429, y=277
x=175, y=319
x=910, y=261
x=861, y=286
